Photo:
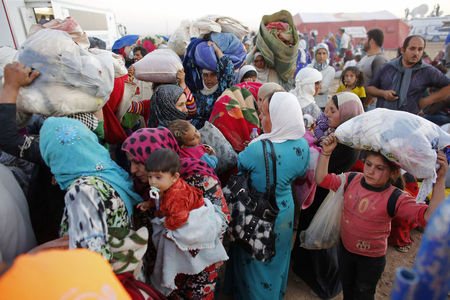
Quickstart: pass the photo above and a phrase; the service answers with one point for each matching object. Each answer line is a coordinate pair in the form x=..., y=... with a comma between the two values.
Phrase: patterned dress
x=246, y=277
x=92, y=206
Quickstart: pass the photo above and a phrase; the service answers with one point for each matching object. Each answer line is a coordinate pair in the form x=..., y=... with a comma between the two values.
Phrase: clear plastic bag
x=325, y=229
x=405, y=139
x=71, y=79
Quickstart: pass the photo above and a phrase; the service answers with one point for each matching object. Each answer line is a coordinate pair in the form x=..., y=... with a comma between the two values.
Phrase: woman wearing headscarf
x=265, y=74
x=235, y=114
x=307, y=86
x=320, y=268
x=321, y=64
x=99, y=194
x=196, y=173
x=282, y=122
x=214, y=83
x=304, y=58
x=168, y=103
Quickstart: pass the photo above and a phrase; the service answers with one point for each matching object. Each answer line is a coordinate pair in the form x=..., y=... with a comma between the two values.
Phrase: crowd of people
x=135, y=182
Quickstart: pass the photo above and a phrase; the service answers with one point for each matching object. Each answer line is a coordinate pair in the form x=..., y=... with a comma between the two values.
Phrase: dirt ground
x=298, y=290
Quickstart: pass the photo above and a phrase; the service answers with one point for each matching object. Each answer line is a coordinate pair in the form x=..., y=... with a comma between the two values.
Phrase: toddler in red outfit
x=174, y=198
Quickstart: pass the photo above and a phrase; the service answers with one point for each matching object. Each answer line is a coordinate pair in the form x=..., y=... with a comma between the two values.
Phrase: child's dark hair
x=179, y=128
x=360, y=78
x=395, y=174
x=249, y=74
x=163, y=160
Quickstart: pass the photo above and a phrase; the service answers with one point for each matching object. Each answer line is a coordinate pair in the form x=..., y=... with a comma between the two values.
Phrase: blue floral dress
x=246, y=277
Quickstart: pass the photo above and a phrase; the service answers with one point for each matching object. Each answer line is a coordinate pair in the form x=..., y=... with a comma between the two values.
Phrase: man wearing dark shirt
x=401, y=83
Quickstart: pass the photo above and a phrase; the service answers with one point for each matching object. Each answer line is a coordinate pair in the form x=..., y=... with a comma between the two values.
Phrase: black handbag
x=253, y=213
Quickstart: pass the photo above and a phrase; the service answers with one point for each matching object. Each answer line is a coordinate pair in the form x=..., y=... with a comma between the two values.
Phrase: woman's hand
x=209, y=150
x=17, y=75
x=328, y=144
x=217, y=50
x=441, y=160
x=181, y=78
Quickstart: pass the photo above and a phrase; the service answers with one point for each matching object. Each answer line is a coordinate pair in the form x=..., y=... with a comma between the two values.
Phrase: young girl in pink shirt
x=370, y=203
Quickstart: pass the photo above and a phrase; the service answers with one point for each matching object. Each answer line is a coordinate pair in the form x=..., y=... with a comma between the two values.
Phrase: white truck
x=433, y=29
x=16, y=17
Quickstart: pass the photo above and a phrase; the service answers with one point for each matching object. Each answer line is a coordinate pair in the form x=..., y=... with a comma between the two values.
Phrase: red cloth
x=365, y=223
x=114, y=133
x=135, y=287
x=177, y=202
x=232, y=119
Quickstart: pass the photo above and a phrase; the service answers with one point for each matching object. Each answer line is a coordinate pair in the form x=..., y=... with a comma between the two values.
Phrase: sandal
x=403, y=249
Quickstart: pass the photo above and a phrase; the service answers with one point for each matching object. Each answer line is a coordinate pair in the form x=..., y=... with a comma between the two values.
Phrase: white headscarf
x=263, y=74
x=244, y=70
x=321, y=66
x=208, y=91
x=286, y=117
x=305, y=85
x=301, y=48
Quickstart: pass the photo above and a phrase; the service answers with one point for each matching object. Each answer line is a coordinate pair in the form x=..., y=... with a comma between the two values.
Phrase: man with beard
x=372, y=61
x=401, y=83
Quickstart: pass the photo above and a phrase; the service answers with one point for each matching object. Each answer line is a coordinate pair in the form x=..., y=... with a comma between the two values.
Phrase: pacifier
x=154, y=193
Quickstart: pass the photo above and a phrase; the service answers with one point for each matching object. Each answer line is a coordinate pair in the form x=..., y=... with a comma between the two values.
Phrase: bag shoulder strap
x=349, y=179
x=392, y=202
x=270, y=188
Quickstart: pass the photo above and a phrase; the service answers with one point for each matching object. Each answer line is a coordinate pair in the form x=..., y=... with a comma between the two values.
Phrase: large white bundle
x=118, y=63
x=408, y=140
x=215, y=23
x=160, y=65
x=71, y=80
x=180, y=39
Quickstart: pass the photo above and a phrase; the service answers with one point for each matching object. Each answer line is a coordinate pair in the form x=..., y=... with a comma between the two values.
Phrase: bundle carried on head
x=230, y=45
x=280, y=54
x=160, y=65
x=405, y=139
x=72, y=80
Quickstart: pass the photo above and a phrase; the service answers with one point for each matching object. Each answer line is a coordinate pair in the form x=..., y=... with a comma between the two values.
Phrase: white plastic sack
x=232, y=26
x=408, y=140
x=325, y=229
x=71, y=80
x=118, y=63
x=180, y=39
x=160, y=65
x=206, y=25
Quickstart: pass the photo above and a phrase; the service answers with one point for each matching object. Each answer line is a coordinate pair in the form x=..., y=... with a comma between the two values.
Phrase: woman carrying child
x=187, y=230
x=368, y=208
x=353, y=81
x=138, y=147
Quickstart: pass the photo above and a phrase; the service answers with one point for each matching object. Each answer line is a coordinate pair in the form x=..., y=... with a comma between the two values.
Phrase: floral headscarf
x=71, y=150
x=146, y=140
x=162, y=105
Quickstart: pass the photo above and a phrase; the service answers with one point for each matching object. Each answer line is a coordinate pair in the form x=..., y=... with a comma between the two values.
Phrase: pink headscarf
x=146, y=140
x=349, y=105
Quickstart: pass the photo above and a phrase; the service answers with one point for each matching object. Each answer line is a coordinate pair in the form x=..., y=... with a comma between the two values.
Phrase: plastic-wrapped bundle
x=160, y=65
x=230, y=45
x=71, y=80
x=407, y=140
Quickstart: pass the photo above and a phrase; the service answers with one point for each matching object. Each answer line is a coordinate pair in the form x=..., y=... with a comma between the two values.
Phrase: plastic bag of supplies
x=325, y=229
x=71, y=79
x=405, y=139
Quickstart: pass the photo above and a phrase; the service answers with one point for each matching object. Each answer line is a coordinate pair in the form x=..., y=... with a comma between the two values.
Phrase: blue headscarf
x=71, y=150
x=124, y=41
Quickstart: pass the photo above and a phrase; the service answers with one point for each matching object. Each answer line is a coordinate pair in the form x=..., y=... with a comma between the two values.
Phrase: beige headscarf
x=269, y=88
